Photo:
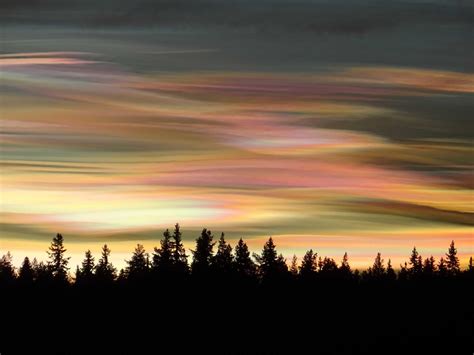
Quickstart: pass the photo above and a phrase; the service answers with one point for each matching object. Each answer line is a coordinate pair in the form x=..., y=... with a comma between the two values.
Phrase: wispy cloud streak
x=94, y=150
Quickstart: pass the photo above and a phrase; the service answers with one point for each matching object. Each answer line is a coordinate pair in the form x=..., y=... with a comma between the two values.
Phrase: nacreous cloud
x=95, y=151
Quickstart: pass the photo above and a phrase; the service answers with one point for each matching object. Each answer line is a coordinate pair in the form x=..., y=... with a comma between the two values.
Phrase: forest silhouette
x=425, y=305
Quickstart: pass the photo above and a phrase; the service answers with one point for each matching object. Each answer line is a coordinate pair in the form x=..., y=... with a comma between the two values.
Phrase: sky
x=341, y=126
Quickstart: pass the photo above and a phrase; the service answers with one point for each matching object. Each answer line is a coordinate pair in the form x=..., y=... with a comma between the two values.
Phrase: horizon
x=338, y=127
x=120, y=260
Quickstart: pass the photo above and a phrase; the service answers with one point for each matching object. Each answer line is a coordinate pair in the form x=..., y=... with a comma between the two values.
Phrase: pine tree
x=452, y=261
x=137, y=268
x=58, y=262
x=294, y=266
x=88, y=265
x=163, y=257
x=85, y=274
x=180, y=259
x=203, y=254
x=309, y=264
x=345, y=267
x=329, y=267
x=223, y=260
x=282, y=268
x=470, y=267
x=403, y=274
x=243, y=264
x=442, y=269
x=267, y=260
x=270, y=265
x=42, y=272
x=26, y=275
x=105, y=272
x=378, y=269
x=429, y=266
x=415, y=263
x=391, y=275
x=7, y=271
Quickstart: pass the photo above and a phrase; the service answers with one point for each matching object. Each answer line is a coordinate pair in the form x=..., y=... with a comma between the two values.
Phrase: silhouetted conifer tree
x=105, y=272
x=243, y=264
x=452, y=261
x=329, y=267
x=58, y=261
x=281, y=264
x=26, y=274
x=442, y=269
x=7, y=271
x=429, y=266
x=203, y=254
x=163, y=256
x=270, y=264
x=345, y=268
x=309, y=264
x=137, y=268
x=415, y=263
x=391, y=275
x=470, y=267
x=377, y=271
x=42, y=272
x=403, y=274
x=180, y=259
x=223, y=260
x=85, y=274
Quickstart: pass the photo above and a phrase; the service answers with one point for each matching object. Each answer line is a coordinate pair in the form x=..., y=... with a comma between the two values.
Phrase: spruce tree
x=26, y=274
x=442, y=268
x=85, y=274
x=403, y=274
x=180, y=259
x=345, y=268
x=105, y=272
x=137, y=268
x=7, y=271
x=378, y=269
x=415, y=263
x=282, y=268
x=391, y=275
x=452, y=261
x=270, y=264
x=309, y=264
x=429, y=266
x=223, y=260
x=243, y=264
x=294, y=266
x=329, y=267
x=267, y=260
x=58, y=261
x=203, y=254
x=163, y=256
x=42, y=272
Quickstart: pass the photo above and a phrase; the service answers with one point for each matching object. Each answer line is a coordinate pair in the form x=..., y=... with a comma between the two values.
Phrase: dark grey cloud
x=319, y=16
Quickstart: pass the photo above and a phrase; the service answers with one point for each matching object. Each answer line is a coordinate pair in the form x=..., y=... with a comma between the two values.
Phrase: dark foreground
x=199, y=316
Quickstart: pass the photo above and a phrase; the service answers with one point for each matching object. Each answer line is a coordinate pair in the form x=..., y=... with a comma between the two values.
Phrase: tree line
x=169, y=263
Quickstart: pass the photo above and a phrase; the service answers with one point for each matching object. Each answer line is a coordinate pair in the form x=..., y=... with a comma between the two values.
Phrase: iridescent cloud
x=102, y=154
